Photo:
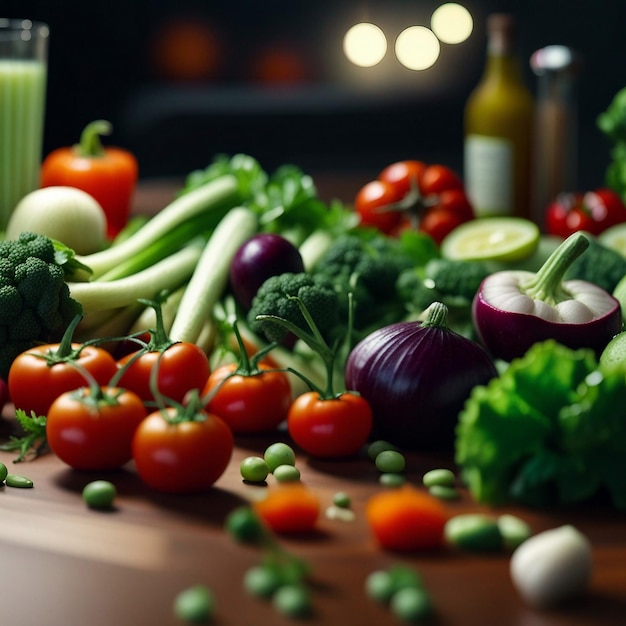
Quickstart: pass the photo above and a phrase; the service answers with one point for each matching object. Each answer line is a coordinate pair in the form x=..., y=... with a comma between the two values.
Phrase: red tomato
x=594, y=212
x=182, y=456
x=335, y=427
x=94, y=434
x=369, y=204
x=35, y=380
x=253, y=403
x=416, y=190
x=183, y=366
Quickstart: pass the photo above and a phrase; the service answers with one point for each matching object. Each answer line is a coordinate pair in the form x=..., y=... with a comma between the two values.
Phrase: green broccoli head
x=274, y=297
x=35, y=301
x=367, y=267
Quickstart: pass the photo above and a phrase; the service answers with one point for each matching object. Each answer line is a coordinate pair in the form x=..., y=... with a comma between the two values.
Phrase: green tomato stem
x=547, y=284
x=90, y=145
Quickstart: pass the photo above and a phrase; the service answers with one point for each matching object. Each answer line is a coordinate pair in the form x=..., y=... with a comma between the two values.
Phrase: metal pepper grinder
x=555, y=156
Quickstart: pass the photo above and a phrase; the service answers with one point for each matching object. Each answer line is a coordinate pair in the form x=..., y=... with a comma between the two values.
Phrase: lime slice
x=492, y=239
x=615, y=238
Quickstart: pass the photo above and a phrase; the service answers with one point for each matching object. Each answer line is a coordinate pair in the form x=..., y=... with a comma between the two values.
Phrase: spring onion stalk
x=210, y=277
x=169, y=273
x=216, y=196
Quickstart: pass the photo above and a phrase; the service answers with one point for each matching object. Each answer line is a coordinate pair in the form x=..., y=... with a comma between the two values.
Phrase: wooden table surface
x=66, y=565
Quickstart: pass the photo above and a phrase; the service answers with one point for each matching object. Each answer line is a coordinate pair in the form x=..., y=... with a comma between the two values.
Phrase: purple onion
x=262, y=256
x=416, y=377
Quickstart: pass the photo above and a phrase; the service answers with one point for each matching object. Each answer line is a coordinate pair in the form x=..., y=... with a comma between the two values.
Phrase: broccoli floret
x=35, y=301
x=367, y=267
x=273, y=298
x=598, y=264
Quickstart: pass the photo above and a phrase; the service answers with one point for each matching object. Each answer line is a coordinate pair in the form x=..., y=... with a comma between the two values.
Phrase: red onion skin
x=417, y=380
x=508, y=336
x=262, y=256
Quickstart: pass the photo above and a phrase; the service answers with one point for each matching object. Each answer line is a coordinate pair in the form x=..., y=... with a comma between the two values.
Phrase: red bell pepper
x=109, y=174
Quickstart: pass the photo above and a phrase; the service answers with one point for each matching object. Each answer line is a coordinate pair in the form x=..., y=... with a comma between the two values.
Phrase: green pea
x=378, y=446
x=403, y=576
x=99, y=494
x=439, y=477
x=262, y=581
x=411, y=604
x=390, y=461
x=16, y=480
x=342, y=500
x=286, y=473
x=195, y=605
x=3, y=472
x=379, y=586
x=245, y=526
x=391, y=479
x=292, y=600
x=514, y=530
x=473, y=531
x=444, y=492
x=279, y=454
x=254, y=469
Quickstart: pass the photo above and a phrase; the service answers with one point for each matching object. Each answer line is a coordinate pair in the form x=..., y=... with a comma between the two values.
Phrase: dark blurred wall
x=102, y=59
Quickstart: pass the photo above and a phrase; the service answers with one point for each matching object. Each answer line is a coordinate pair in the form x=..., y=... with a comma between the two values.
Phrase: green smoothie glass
x=23, y=72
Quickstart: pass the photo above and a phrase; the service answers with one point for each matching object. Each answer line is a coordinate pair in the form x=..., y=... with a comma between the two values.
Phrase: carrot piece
x=406, y=519
x=289, y=509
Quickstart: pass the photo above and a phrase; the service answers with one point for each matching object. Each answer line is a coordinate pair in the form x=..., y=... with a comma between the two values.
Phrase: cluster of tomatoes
x=164, y=409
x=413, y=194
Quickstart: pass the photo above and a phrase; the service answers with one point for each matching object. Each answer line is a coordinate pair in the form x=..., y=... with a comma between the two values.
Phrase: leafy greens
x=550, y=429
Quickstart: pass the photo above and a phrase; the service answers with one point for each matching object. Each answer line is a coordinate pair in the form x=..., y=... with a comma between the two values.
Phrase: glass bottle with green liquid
x=499, y=128
x=23, y=73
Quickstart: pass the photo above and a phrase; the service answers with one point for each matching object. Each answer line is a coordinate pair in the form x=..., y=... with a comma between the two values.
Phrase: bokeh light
x=452, y=23
x=365, y=44
x=417, y=48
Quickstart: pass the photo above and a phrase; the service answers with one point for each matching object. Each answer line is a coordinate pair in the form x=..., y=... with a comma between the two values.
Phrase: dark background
x=320, y=112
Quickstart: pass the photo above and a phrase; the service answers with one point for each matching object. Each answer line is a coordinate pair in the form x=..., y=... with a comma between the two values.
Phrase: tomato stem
x=90, y=145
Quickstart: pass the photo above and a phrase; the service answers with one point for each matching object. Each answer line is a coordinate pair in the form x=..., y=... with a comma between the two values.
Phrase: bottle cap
x=501, y=29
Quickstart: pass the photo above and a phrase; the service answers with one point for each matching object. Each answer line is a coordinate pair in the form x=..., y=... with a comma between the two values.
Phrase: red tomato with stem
x=182, y=366
x=90, y=430
x=413, y=194
x=40, y=375
x=593, y=212
x=187, y=453
x=333, y=427
x=249, y=403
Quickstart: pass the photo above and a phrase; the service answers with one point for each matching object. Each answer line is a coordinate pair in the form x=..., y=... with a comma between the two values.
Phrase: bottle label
x=488, y=164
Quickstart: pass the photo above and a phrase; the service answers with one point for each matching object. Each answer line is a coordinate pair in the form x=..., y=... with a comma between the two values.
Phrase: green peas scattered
x=279, y=454
x=195, y=605
x=473, y=531
x=390, y=461
x=99, y=494
x=391, y=479
x=378, y=446
x=292, y=601
x=379, y=586
x=16, y=480
x=286, y=473
x=254, y=469
x=514, y=530
x=411, y=604
x=342, y=500
x=262, y=581
x=444, y=492
x=439, y=477
x=245, y=526
x=4, y=472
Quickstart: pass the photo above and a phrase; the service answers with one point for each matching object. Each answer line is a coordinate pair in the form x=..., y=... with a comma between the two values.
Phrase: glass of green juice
x=23, y=73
